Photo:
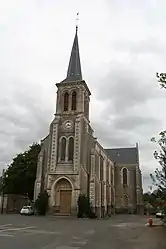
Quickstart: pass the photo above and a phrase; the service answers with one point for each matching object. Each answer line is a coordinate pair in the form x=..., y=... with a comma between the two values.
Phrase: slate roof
x=74, y=69
x=123, y=155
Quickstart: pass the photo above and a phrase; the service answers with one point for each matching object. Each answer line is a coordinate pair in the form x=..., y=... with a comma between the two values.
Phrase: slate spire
x=74, y=69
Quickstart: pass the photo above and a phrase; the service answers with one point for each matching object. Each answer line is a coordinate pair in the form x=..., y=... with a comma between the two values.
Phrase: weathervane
x=77, y=19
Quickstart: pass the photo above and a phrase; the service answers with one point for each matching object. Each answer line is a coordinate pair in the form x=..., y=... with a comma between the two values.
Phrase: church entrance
x=63, y=197
x=65, y=201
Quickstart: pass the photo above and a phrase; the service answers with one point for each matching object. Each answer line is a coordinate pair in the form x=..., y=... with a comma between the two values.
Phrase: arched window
x=66, y=101
x=71, y=149
x=101, y=168
x=43, y=171
x=63, y=149
x=124, y=177
x=74, y=101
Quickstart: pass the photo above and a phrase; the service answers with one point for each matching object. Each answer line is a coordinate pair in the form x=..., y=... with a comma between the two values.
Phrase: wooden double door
x=65, y=201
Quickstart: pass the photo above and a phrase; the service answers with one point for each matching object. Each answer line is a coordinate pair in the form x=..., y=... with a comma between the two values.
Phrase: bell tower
x=73, y=95
x=68, y=132
x=71, y=117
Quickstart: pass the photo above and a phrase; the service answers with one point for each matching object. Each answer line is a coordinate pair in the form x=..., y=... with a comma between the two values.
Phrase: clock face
x=68, y=124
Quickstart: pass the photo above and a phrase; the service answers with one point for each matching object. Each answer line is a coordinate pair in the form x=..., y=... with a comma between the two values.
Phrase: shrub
x=41, y=204
x=84, y=207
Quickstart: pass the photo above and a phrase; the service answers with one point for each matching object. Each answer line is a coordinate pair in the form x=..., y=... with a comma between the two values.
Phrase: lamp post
x=3, y=192
x=2, y=203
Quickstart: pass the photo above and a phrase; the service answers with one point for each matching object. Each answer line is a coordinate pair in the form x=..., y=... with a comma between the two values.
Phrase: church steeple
x=74, y=69
x=73, y=95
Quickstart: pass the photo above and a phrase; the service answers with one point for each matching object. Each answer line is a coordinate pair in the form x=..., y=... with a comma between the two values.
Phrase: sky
x=122, y=46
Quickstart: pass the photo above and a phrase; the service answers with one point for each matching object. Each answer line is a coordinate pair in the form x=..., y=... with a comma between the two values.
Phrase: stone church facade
x=72, y=161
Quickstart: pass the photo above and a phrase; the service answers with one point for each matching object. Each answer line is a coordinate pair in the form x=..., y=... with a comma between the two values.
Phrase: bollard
x=150, y=222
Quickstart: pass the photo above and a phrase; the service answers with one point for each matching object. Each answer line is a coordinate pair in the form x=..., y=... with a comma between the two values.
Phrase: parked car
x=27, y=210
x=160, y=214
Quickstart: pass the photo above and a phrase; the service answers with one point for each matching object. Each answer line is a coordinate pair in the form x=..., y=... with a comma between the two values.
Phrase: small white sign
x=38, y=185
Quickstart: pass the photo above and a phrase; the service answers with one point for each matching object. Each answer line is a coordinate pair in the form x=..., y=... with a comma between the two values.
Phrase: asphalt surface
x=119, y=232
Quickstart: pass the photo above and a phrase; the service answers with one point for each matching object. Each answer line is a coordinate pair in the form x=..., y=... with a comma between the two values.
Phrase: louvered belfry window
x=74, y=101
x=66, y=101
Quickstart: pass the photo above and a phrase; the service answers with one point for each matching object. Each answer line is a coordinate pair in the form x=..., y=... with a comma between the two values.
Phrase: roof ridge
x=120, y=148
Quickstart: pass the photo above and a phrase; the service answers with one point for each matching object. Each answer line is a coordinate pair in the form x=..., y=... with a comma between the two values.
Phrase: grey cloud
x=130, y=122
x=147, y=182
x=24, y=119
x=35, y=51
x=150, y=45
x=109, y=136
x=126, y=87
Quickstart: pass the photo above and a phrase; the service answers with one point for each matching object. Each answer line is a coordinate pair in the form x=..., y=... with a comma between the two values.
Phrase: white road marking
x=50, y=246
x=84, y=242
x=16, y=229
x=43, y=232
x=127, y=225
x=6, y=235
x=67, y=247
x=5, y=225
x=77, y=238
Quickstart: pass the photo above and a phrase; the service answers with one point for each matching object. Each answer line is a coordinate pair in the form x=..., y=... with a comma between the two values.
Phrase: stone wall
x=12, y=203
x=101, y=182
x=128, y=191
x=41, y=175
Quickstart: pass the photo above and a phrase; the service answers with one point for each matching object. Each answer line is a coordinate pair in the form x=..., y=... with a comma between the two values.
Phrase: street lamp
x=3, y=192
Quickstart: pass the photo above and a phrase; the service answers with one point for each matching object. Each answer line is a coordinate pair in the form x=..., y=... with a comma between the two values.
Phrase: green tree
x=162, y=79
x=1, y=184
x=153, y=198
x=160, y=173
x=19, y=178
x=159, y=179
x=41, y=204
x=84, y=207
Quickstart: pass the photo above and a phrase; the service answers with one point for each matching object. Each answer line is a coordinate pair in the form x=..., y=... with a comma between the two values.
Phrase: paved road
x=120, y=232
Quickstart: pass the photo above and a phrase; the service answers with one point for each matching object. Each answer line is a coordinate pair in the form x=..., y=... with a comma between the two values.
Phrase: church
x=72, y=161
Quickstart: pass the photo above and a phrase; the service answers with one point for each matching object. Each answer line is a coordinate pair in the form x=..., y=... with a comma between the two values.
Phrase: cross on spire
x=77, y=19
